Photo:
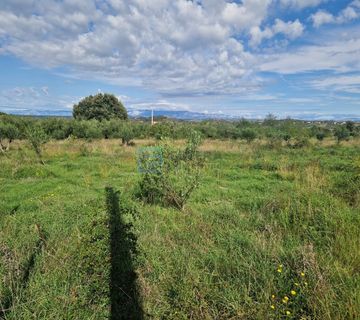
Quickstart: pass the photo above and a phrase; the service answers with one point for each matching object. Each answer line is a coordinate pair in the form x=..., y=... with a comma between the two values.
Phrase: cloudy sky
x=297, y=58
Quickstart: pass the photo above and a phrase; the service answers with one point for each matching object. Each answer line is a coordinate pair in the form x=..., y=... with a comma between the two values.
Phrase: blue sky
x=297, y=58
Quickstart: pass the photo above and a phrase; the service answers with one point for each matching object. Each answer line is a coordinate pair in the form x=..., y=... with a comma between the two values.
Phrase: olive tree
x=36, y=137
x=8, y=132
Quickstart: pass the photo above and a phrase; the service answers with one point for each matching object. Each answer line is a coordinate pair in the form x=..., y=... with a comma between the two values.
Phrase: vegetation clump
x=170, y=176
x=100, y=107
x=8, y=133
x=37, y=138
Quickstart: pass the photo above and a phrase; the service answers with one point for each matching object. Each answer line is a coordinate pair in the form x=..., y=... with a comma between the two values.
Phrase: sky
x=249, y=58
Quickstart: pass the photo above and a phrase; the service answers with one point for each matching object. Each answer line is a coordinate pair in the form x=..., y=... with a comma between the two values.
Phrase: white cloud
x=351, y=12
x=172, y=46
x=344, y=83
x=301, y=4
x=246, y=15
x=337, y=56
x=321, y=17
x=159, y=105
x=33, y=98
x=290, y=29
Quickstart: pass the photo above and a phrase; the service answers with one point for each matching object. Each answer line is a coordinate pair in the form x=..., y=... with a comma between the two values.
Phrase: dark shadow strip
x=124, y=293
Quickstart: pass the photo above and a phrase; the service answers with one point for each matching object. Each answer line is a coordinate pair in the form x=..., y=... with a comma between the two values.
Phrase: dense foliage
x=293, y=132
x=100, y=107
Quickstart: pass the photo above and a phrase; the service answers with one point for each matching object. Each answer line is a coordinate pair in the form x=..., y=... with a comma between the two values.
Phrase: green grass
x=256, y=208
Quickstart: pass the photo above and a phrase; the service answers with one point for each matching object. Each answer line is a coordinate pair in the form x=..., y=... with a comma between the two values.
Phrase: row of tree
x=14, y=127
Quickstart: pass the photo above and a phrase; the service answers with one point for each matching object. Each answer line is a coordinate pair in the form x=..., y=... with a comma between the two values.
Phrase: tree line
x=17, y=127
x=103, y=116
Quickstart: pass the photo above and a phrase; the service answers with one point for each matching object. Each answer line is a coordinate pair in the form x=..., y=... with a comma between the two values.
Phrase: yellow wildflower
x=285, y=300
x=302, y=274
x=273, y=296
x=293, y=292
x=279, y=270
x=272, y=307
x=288, y=313
x=296, y=284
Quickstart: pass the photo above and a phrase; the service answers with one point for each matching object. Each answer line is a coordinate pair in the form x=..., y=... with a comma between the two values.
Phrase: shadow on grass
x=124, y=294
x=22, y=283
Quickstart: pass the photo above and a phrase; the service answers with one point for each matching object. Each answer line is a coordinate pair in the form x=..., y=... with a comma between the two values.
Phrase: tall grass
x=259, y=209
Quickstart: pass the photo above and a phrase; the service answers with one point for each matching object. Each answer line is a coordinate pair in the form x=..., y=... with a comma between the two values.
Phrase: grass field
x=271, y=233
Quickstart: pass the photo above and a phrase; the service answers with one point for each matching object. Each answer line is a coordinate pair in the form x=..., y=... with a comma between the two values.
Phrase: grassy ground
x=264, y=222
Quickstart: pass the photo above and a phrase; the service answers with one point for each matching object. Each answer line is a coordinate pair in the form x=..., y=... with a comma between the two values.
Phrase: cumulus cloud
x=290, y=29
x=351, y=12
x=172, y=46
x=246, y=15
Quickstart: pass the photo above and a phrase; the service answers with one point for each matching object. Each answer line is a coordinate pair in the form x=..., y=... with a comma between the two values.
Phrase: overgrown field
x=272, y=232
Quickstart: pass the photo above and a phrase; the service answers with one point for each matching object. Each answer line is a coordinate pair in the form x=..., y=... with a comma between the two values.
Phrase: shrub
x=248, y=134
x=170, y=175
x=301, y=143
x=341, y=133
x=37, y=138
x=87, y=129
x=350, y=125
x=127, y=134
x=320, y=135
x=100, y=107
x=286, y=137
x=162, y=130
x=57, y=128
x=270, y=120
x=8, y=132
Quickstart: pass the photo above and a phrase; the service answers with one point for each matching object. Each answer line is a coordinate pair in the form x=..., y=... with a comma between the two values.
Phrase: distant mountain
x=37, y=112
x=179, y=114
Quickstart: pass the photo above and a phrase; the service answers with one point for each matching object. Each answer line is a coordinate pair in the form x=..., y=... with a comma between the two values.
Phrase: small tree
x=8, y=132
x=286, y=137
x=37, y=138
x=248, y=134
x=100, y=107
x=320, y=135
x=341, y=134
x=127, y=134
x=170, y=175
x=350, y=125
x=270, y=119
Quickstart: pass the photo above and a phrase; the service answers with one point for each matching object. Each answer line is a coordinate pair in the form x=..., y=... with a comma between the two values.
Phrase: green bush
x=320, y=135
x=100, y=107
x=170, y=176
x=57, y=128
x=37, y=138
x=87, y=129
x=127, y=134
x=8, y=132
x=248, y=134
x=341, y=133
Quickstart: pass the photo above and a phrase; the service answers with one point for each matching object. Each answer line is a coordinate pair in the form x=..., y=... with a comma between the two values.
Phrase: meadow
x=272, y=232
